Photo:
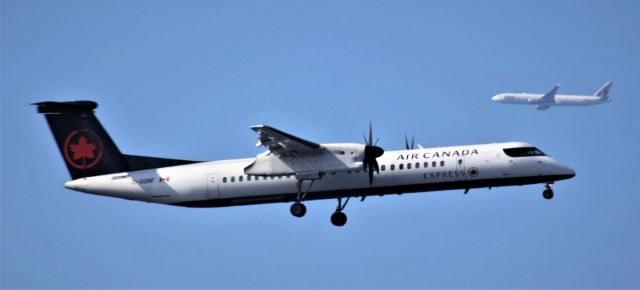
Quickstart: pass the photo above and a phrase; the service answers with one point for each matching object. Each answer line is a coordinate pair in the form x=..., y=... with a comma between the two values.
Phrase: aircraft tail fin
x=84, y=144
x=603, y=92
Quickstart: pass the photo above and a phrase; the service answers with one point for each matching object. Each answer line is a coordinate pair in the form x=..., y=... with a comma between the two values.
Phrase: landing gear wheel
x=298, y=209
x=547, y=193
x=338, y=218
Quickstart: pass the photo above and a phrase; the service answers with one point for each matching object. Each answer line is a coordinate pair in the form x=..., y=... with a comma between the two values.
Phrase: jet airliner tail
x=603, y=92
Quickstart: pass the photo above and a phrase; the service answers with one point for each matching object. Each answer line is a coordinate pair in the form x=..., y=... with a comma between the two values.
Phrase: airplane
x=543, y=102
x=291, y=170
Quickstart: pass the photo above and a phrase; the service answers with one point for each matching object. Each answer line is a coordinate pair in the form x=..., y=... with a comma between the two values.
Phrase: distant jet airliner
x=291, y=170
x=543, y=102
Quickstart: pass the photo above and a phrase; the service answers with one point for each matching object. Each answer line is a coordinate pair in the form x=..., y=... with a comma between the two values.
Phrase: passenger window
x=433, y=164
x=426, y=164
x=393, y=167
x=383, y=167
x=459, y=161
x=408, y=165
x=248, y=177
x=417, y=165
x=224, y=180
x=233, y=178
x=441, y=163
x=400, y=166
x=240, y=179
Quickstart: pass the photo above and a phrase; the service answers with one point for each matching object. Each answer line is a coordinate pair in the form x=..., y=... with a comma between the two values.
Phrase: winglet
x=549, y=97
x=603, y=92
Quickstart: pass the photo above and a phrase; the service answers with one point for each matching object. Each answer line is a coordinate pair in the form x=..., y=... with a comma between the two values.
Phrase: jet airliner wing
x=549, y=97
x=282, y=143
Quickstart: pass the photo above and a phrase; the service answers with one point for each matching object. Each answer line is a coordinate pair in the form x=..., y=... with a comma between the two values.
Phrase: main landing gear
x=298, y=209
x=548, y=192
x=338, y=218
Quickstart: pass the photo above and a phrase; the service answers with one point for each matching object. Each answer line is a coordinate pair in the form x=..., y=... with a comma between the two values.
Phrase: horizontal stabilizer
x=61, y=107
x=136, y=162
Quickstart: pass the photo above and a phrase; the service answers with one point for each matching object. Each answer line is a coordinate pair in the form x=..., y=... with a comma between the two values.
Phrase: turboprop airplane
x=291, y=170
x=543, y=102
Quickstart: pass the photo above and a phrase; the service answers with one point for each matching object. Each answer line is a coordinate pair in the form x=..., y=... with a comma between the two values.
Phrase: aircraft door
x=213, y=186
x=461, y=167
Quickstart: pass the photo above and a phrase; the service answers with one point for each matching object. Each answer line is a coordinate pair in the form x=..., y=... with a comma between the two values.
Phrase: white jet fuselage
x=558, y=100
x=543, y=102
x=224, y=183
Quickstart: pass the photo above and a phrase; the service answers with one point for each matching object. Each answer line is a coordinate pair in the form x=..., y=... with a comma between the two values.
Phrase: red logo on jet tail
x=83, y=149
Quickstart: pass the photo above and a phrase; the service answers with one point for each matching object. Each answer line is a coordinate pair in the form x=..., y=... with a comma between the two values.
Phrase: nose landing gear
x=548, y=192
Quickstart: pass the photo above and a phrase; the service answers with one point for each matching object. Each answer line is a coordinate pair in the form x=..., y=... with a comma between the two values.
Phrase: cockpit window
x=523, y=152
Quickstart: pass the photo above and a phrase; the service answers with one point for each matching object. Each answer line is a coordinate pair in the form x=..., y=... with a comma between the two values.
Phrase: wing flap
x=282, y=143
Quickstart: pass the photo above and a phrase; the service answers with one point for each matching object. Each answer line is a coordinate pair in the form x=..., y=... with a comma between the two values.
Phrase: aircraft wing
x=282, y=143
x=550, y=96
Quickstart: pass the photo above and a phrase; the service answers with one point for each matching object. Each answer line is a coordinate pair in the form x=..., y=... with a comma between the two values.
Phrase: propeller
x=406, y=142
x=371, y=152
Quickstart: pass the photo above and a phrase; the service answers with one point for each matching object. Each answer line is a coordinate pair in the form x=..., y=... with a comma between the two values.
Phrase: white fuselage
x=224, y=183
x=558, y=100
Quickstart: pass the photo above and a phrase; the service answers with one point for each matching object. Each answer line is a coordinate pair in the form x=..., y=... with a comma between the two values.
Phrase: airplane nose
x=496, y=98
x=569, y=172
x=561, y=170
x=566, y=172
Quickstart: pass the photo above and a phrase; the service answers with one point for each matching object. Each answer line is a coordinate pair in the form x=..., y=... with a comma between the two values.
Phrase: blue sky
x=185, y=79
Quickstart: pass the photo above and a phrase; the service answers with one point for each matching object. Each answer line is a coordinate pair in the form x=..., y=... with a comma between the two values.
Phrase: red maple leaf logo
x=83, y=149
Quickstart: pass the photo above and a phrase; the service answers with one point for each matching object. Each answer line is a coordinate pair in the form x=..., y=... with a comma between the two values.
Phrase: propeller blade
x=371, y=152
x=370, y=134
x=406, y=142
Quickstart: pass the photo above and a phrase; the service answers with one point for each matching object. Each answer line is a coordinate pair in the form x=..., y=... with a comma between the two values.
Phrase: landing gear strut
x=548, y=192
x=338, y=218
x=298, y=209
